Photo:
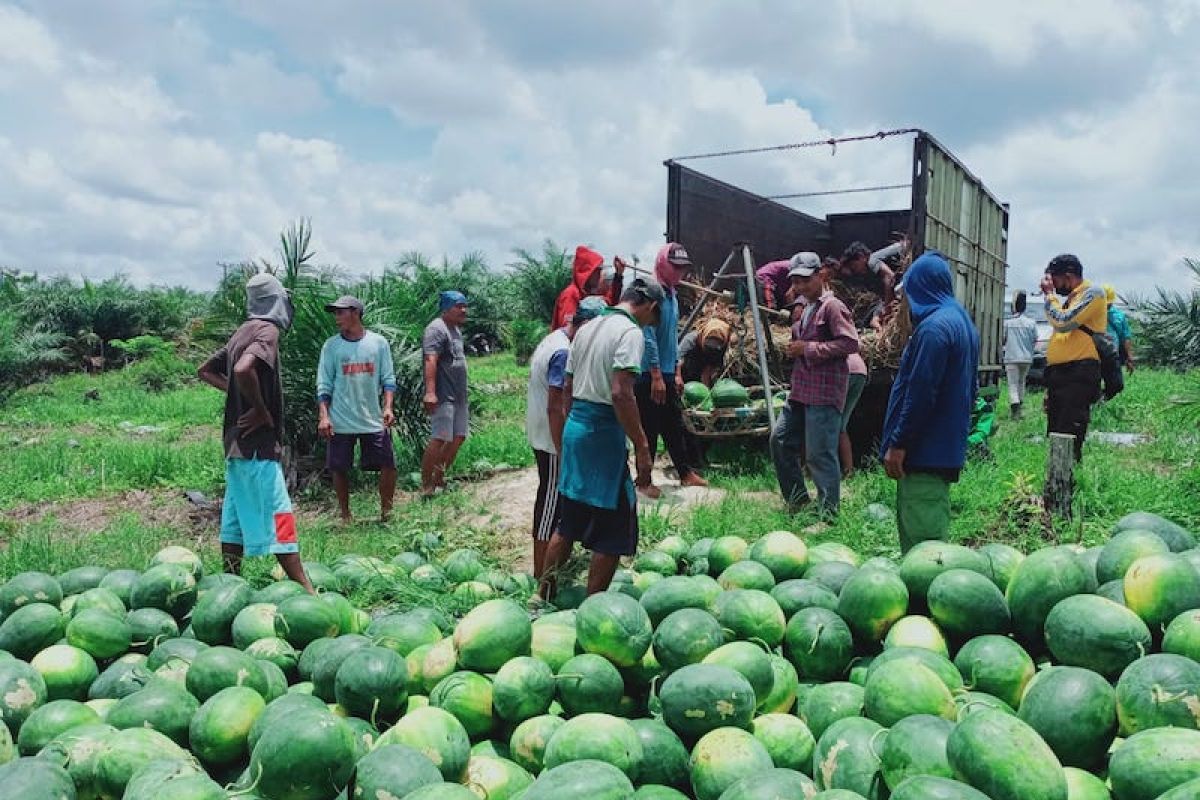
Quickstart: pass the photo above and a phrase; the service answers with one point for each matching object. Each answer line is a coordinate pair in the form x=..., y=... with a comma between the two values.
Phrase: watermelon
x=253, y=622
x=174, y=554
x=746, y=575
x=217, y=668
x=280, y=710
x=787, y=739
x=492, y=633
x=772, y=784
x=656, y=561
x=965, y=604
x=276, y=681
x=1184, y=791
x=31, y=628
x=303, y=618
x=25, y=588
x=168, y=587
x=148, y=627
x=601, y=737
x=124, y=753
x=523, y=688
x=327, y=664
x=105, y=599
x=728, y=393
x=996, y=665
x=372, y=683
x=722, y=757
x=22, y=689
x=467, y=696
x=589, y=683
x=174, y=649
x=8, y=749
x=1042, y=579
x=1161, y=587
x=1182, y=636
x=35, y=779
x=1002, y=562
x=870, y=602
x=48, y=721
x=930, y=787
x=440, y=661
x=1118, y=553
x=81, y=579
x=694, y=394
x=916, y=631
x=916, y=745
x=784, y=683
x=120, y=582
x=664, y=758
x=940, y=665
x=100, y=633
x=496, y=778
x=220, y=728
x=793, y=595
x=277, y=592
x=669, y=595
x=827, y=703
x=1176, y=537
x=783, y=553
x=847, y=756
x=1083, y=785
x=553, y=639
x=580, y=780
x=1075, y=712
x=819, y=643
x=527, y=745
x=700, y=698
x=214, y=613
x=1159, y=690
x=1150, y=763
x=436, y=734
x=393, y=770
x=904, y=687
x=826, y=552
x=615, y=626
x=308, y=756
x=1093, y=632
x=570, y=596
x=160, y=706
x=685, y=637
x=124, y=676
x=673, y=544
x=750, y=660
x=68, y=671
x=928, y=559
x=830, y=574
x=462, y=565
x=724, y=552
x=174, y=779
x=750, y=614
x=1004, y=758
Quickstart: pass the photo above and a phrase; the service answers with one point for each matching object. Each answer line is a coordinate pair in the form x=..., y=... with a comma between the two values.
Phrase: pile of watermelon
x=726, y=669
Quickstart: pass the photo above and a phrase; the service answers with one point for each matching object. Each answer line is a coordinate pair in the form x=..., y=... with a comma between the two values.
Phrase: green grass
x=1162, y=476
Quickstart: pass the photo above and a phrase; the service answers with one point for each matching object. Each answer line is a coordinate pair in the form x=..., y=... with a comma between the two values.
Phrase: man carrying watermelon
x=599, y=507
x=545, y=417
x=256, y=517
x=810, y=425
x=928, y=417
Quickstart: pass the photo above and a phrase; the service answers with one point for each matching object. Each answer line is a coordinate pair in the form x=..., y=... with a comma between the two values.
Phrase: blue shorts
x=257, y=512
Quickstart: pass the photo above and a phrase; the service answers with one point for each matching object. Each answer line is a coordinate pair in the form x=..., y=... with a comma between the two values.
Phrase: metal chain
x=832, y=142
x=839, y=191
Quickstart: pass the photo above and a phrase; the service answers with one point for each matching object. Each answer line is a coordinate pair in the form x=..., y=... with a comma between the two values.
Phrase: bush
x=140, y=347
x=161, y=372
x=522, y=336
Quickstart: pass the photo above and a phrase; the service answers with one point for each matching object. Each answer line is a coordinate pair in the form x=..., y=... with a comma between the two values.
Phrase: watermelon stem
x=249, y=789
x=816, y=638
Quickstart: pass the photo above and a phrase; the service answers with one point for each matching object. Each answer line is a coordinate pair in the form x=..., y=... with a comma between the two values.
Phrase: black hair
x=1065, y=264
x=855, y=251
x=1019, y=302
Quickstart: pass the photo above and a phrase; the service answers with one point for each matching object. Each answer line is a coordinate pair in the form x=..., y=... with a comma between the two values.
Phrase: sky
x=157, y=139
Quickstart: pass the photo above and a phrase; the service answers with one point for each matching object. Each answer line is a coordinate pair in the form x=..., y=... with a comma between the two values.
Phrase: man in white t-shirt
x=545, y=415
x=596, y=495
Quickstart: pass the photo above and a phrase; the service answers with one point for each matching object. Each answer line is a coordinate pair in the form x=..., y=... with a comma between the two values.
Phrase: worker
x=1020, y=336
x=869, y=270
x=702, y=352
x=776, y=285
x=587, y=278
x=1118, y=328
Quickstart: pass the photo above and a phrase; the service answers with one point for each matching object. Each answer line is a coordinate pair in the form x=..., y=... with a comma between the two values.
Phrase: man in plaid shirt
x=808, y=428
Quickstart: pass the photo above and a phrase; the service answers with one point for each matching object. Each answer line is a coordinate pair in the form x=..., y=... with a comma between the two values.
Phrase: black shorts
x=611, y=531
x=375, y=451
x=547, y=507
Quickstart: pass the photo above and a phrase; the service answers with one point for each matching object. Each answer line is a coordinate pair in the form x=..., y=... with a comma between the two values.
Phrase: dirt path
x=510, y=496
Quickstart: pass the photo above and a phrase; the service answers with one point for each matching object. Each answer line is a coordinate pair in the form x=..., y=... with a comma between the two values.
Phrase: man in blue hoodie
x=929, y=412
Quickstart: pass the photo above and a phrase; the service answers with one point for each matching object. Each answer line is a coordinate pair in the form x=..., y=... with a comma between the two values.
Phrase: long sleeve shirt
x=1020, y=338
x=662, y=348
x=350, y=377
x=820, y=375
x=1085, y=307
x=774, y=274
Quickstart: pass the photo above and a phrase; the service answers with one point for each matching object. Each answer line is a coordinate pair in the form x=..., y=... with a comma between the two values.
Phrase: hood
x=928, y=285
x=267, y=299
x=587, y=261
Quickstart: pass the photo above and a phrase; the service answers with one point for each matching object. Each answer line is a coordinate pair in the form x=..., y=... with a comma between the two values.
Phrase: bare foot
x=650, y=491
x=385, y=515
x=346, y=520
x=692, y=479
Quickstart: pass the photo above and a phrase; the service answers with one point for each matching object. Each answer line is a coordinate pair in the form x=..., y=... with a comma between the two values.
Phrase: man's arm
x=625, y=406
x=556, y=413
x=658, y=387
x=877, y=264
x=431, y=361
x=212, y=371
x=841, y=327
x=888, y=277
x=326, y=378
x=1067, y=319
x=387, y=378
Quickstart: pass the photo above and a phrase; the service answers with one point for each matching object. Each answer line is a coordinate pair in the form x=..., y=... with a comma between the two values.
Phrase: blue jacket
x=929, y=411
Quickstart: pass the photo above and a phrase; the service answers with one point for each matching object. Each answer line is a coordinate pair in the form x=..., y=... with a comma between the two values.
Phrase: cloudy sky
x=158, y=138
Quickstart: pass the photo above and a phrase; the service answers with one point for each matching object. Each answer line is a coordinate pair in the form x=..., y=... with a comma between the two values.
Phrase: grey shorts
x=449, y=421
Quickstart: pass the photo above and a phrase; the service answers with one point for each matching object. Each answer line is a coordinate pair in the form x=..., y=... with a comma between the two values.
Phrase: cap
x=1065, y=264
x=677, y=254
x=450, y=299
x=648, y=288
x=804, y=265
x=345, y=301
x=589, y=308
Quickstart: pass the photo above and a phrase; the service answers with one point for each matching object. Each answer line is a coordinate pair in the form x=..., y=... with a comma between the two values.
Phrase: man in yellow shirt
x=1072, y=362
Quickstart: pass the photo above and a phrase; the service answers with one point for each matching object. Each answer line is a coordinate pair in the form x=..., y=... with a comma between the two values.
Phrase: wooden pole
x=760, y=333
x=1060, y=475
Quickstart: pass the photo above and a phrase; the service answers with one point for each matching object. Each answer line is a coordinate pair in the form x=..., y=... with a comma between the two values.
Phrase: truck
x=949, y=210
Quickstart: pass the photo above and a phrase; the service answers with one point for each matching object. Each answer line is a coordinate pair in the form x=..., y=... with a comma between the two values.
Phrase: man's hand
x=1129, y=365
x=1047, y=285
x=658, y=389
x=679, y=382
x=254, y=419
x=796, y=348
x=431, y=402
x=619, y=265
x=389, y=418
x=893, y=463
x=325, y=428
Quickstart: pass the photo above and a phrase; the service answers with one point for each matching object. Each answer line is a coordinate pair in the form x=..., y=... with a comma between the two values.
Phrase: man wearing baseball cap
x=355, y=367
x=445, y=390
x=808, y=429
x=1075, y=310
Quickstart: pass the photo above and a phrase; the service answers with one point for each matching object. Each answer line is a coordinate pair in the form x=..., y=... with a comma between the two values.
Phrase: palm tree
x=1169, y=325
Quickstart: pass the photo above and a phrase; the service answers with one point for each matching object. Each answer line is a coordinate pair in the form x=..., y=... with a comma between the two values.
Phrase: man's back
x=613, y=342
x=541, y=364
x=1020, y=337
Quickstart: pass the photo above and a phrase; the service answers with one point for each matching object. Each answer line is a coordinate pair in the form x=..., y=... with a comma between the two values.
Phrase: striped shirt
x=820, y=375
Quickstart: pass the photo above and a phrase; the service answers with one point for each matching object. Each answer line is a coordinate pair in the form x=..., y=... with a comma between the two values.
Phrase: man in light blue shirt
x=354, y=369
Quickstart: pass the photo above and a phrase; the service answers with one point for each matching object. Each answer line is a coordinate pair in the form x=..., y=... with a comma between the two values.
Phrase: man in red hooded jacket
x=586, y=279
